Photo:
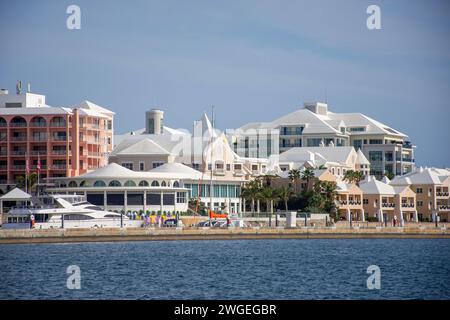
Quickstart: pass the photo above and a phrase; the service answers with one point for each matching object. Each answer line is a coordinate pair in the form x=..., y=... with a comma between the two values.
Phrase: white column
x=348, y=215
x=258, y=206
x=380, y=216
x=125, y=201
x=175, y=203
x=363, y=218
x=145, y=202
x=161, y=203
x=401, y=218
x=105, y=200
x=416, y=217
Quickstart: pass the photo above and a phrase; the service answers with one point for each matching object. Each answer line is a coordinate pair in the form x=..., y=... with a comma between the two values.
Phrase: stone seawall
x=155, y=234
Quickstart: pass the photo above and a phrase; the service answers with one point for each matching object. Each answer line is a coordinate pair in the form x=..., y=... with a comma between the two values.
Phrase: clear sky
x=253, y=60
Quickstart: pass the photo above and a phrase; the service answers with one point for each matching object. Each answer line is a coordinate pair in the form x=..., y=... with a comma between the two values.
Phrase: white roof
x=361, y=158
x=328, y=154
x=142, y=147
x=422, y=176
x=15, y=195
x=93, y=107
x=166, y=171
x=36, y=111
x=373, y=186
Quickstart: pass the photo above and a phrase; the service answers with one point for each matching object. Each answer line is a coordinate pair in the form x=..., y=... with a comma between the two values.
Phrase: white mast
x=211, y=171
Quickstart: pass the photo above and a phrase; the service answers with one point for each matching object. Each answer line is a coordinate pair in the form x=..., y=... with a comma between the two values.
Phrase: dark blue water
x=241, y=269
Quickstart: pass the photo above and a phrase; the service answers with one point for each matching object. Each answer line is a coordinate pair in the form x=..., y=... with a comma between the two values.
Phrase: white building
x=388, y=150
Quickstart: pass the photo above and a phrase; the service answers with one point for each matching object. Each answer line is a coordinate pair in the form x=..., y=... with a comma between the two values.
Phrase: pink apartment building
x=63, y=141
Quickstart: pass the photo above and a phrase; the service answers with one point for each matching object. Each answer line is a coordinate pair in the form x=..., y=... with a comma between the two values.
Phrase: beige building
x=431, y=186
x=385, y=202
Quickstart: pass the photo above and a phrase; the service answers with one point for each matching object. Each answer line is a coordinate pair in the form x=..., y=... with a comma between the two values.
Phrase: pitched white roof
x=112, y=170
x=422, y=176
x=143, y=147
x=177, y=170
x=328, y=154
x=15, y=195
x=94, y=107
x=361, y=158
x=373, y=186
x=36, y=111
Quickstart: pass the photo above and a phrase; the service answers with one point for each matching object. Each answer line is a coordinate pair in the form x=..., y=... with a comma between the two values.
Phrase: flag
x=38, y=165
x=27, y=166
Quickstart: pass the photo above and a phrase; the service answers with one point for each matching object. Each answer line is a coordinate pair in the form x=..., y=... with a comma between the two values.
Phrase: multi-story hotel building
x=431, y=186
x=65, y=142
x=388, y=150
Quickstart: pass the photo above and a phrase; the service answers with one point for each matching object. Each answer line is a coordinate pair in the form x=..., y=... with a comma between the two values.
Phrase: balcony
x=60, y=138
x=408, y=205
x=38, y=152
x=387, y=205
x=36, y=124
x=354, y=203
x=219, y=172
x=38, y=138
x=59, y=152
x=18, y=124
x=19, y=138
x=58, y=167
x=238, y=172
x=444, y=207
x=18, y=152
x=3, y=167
x=18, y=167
x=442, y=194
x=3, y=152
x=58, y=124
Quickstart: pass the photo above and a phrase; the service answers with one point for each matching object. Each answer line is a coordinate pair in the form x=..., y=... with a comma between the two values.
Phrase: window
x=128, y=165
x=155, y=183
x=130, y=183
x=181, y=197
x=73, y=184
x=254, y=167
x=375, y=141
x=419, y=190
x=115, y=183
x=228, y=167
x=163, y=184
x=357, y=129
x=365, y=201
x=357, y=144
x=313, y=142
x=141, y=166
x=157, y=164
x=176, y=184
x=99, y=183
x=143, y=183
x=419, y=203
x=237, y=167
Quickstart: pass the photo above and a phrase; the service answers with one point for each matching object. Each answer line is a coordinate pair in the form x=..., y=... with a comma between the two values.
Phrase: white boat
x=58, y=211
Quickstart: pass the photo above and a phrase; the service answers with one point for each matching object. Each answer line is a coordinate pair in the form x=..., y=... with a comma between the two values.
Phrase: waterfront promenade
x=424, y=230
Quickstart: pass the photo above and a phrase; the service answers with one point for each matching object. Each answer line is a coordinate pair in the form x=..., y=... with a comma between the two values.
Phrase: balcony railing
x=3, y=152
x=442, y=194
x=38, y=124
x=354, y=203
x=38, y=152
x=18, y=152
x=444, y=207
x=3, y=167
x=58, y=124
x=19, y=138
x=408, y=205
x=18, y=124
x=58, y=167
x=59, y=152
x=388, y=205
x=39, y=138
x=18, y=167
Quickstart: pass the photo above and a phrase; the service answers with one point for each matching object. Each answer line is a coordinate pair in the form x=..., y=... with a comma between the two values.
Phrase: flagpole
x=26, y=172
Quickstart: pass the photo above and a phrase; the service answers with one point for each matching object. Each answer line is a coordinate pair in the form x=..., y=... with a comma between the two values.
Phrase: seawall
x=157, y=234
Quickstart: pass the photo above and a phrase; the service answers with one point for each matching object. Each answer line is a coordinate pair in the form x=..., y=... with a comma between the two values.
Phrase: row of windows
x=128, y=183
x=220, y=191
x=135, y=199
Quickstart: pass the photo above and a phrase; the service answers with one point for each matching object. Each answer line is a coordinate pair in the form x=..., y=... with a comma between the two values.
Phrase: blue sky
x=253, y=60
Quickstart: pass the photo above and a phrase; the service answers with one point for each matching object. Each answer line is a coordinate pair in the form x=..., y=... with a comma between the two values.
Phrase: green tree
x=294, y=176
x=307, y=175
x=270, y=196
x=251, y=192
x=284, y=194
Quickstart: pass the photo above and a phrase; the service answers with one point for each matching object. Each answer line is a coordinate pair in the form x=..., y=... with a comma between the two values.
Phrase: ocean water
x=231, y=269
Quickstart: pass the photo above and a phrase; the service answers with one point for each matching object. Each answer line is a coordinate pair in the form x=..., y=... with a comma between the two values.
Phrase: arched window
x=130, y=183
x=58, y=122
x=18, y=122
x=38, y=122
x=3, y=122
x=163, y=184
x=176, y=184
x=73, y=184
x=155, y=183
x=84, y=183
x=143, y=183
x=115, y=183
x=99, y=183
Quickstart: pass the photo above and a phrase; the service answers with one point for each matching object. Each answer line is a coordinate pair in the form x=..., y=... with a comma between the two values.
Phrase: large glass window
x=313, y=142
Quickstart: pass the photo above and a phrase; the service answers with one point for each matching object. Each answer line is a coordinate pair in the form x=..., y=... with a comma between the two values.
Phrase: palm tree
x=269, y=195
x=307, y=175
x=267, y=179
x=284, y=193
x=250, y=192
x=353, y=176
x=294, y=176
